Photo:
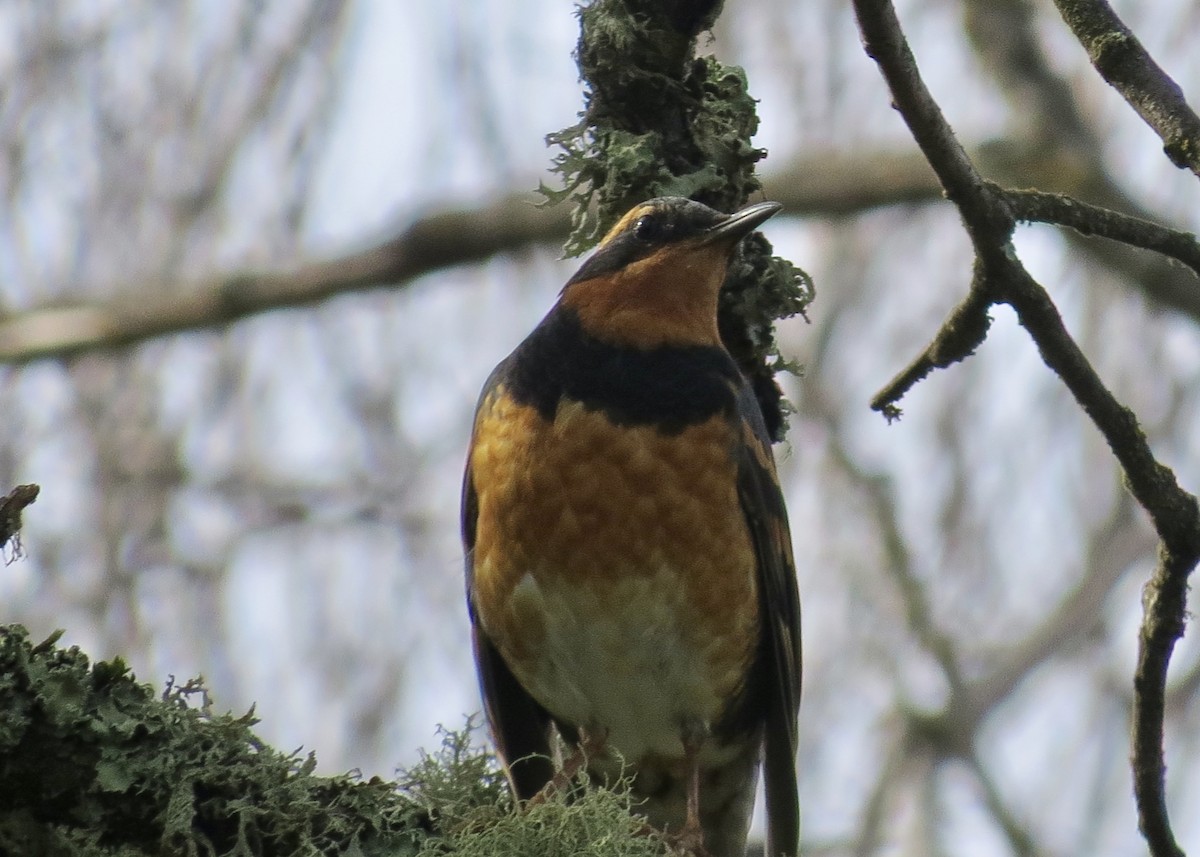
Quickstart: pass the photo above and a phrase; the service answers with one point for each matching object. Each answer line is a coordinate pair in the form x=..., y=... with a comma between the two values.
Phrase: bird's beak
x=741, y=223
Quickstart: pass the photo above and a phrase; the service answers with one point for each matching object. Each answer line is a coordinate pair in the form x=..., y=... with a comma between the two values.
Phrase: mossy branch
x=95, y=764
x=661, y=121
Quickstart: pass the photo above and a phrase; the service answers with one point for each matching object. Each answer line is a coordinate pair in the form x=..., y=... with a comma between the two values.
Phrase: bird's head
x=656, y=275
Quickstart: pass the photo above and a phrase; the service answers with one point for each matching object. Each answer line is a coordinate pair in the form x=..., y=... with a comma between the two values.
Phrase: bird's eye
x=648, y=228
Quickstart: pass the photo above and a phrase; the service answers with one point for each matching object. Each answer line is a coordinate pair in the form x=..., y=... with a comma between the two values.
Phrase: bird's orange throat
x=668, y=298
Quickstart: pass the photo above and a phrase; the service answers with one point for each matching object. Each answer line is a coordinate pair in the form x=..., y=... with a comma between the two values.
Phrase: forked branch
x=990, y=215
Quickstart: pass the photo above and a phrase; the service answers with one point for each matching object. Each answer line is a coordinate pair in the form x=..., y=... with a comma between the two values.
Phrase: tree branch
x=1001, y=277
x=821, y=184
x=449, y=238
x=1122, y=61
x=1005, y=35
x=959, y=336
x=1033, y=205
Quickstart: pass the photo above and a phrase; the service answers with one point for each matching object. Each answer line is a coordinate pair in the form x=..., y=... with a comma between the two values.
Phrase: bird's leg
x=691, y=838
x=590, y=743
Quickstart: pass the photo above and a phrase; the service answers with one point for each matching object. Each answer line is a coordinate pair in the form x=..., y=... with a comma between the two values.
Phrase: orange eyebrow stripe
x=622, y=224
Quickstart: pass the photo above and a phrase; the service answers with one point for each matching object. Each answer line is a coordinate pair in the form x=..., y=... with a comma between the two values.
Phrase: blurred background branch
x=821, y=185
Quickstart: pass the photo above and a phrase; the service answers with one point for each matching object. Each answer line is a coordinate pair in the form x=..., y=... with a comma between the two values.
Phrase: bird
x=629, y=569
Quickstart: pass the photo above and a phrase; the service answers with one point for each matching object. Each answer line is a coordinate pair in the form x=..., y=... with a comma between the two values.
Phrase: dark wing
x=519, y=724
x=779, y=609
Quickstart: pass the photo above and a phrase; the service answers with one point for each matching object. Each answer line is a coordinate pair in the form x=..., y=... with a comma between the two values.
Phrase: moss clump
x=660, y=121
x=471, y=811
x=599, y=823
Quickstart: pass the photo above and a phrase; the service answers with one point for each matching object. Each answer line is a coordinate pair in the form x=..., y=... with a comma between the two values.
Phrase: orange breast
x=613, y=566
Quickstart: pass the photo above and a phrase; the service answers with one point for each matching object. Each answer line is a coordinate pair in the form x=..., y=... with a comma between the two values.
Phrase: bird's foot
x=558, y=784
x=589, y=745
x=688, y=842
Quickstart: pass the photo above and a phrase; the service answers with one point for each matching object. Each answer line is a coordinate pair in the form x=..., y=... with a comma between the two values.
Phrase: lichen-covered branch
x=1060, y=209
x=95, y=764
x=1122, y=61
x=661, y=121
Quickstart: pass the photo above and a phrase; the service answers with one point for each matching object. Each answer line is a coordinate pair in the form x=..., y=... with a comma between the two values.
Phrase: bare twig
x=959, y=336
x=984, y=213
x=967, y=326
x=1019, y=838
x=1113, y=546
x=1122, y=61
x=1032, y=205
x=453, y=237
x=1001, y=277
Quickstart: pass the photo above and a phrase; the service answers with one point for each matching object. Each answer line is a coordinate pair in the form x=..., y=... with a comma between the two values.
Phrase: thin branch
x=959, y=336
x=1112, y=548
x=816, y=184
x=1018, y=836
x=1122, y=61
x=454, y=237
x=1033, y=205
x=984, y=214
x=990, y=220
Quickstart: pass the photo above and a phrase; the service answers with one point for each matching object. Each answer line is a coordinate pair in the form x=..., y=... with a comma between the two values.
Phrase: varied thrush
x=629, y=568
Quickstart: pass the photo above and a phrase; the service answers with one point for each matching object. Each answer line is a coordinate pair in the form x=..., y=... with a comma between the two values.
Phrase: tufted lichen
x=660, y=121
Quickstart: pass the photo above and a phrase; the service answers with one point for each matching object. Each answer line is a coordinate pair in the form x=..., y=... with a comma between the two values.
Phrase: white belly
x=622, y=660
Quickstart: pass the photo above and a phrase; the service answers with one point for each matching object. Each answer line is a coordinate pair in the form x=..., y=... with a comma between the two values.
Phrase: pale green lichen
x=95, y=764
x=660, y=121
